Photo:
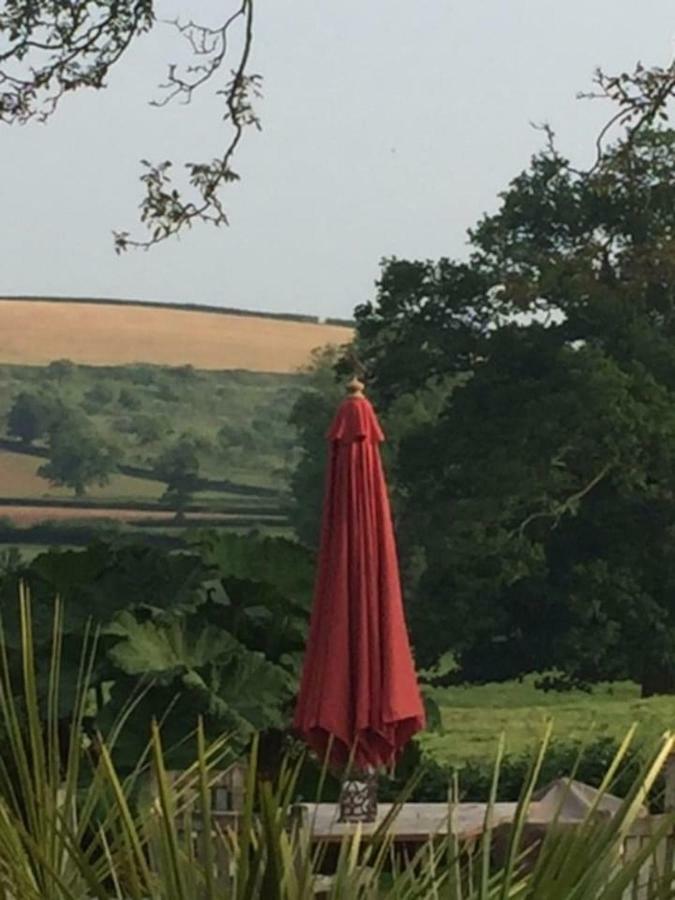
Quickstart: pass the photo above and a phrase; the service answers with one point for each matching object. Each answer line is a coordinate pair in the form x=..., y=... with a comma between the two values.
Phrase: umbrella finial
x=356, y=387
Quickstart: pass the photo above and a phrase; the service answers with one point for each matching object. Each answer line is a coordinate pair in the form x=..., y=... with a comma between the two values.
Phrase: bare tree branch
x=558, y=510
x=208, y=43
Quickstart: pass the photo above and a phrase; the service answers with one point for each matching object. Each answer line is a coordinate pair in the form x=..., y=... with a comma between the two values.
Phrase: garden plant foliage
x=144, y=834
x=206, y=632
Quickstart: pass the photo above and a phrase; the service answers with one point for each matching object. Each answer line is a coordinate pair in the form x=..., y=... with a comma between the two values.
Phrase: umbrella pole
x=358, y=797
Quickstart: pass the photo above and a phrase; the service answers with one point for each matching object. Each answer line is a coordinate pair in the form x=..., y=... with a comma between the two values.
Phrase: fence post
x=669, y=772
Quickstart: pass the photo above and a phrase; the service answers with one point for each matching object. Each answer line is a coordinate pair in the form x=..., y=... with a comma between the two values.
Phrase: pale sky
x=388, y=129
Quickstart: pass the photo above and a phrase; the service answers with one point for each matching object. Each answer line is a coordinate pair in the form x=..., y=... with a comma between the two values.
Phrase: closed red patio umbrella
x=359, y=697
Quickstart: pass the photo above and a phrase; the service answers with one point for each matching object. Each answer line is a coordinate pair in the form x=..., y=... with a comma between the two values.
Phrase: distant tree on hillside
x=148, y=429
x=98, y=396
x=60, y=369
x=30, y=417
x=238, y=437
x=129, y=399
x=270, y=427
x=186, y=372
x=143, y=375
x=78, y=456
x=167, y=394
x=178, y=467
x=228, y=435
x=311, y=417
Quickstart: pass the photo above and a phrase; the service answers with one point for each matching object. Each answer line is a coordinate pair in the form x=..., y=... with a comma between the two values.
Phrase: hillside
x=99, y=333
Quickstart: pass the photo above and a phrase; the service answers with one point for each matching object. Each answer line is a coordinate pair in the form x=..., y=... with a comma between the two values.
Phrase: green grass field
x=474, y=717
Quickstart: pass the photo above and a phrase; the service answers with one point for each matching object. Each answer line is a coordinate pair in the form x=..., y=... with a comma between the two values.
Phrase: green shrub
x=167, y=394
x=143, y=375
x=587, y=763
x=148, y=429
x=129, y=399
x=99, y=395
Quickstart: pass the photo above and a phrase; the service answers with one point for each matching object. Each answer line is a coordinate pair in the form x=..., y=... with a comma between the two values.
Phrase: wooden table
x=415, y=822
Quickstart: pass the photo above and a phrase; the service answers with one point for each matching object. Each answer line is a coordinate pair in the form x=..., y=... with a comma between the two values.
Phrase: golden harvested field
x=38, y=332
x=19, y=478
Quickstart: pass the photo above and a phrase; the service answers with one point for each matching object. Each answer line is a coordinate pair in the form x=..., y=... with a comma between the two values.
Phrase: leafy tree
x=30, y=417
x=143, y=375
x=228, y=435
x=149, y=429
x=311, y=417
x=98, y=396
x=78, y=457
x=313, y=412
x=534, y=499
x=186, y=373
x=168, y=394
x=129, y=399
x=60, y=369
x=178, y=467
x=201, y=442
x=236, y=437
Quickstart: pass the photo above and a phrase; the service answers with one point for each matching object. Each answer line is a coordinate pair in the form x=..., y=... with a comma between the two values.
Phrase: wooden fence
x=658, y=868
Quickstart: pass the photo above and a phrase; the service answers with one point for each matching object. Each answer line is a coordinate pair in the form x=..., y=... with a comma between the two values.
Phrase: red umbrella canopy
x=359, y=696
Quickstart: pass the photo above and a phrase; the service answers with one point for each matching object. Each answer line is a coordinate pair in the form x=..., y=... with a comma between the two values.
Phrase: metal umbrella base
x=358, y=798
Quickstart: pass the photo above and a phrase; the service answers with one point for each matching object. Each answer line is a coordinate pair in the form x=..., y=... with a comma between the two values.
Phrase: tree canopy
x=78, y=456
x=531, y=394
x=30, y=417
x=178, y=467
